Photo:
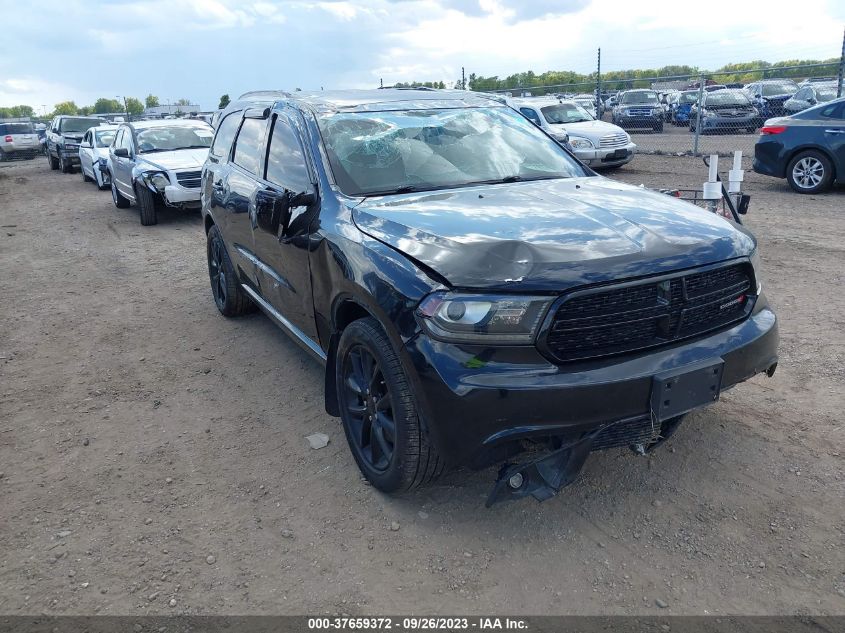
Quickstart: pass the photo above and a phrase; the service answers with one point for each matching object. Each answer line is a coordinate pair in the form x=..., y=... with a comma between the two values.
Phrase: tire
x=379, y=412
x=3, y=157
x=146, y=206
x=63, y=166
x=85, y=177
x=228, y=295
x=54, y=162
x=809, y=172
x=119, y=201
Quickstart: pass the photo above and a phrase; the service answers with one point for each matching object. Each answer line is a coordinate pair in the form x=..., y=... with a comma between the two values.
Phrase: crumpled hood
x=550, y=235
x=592, y=130
x=177, y=159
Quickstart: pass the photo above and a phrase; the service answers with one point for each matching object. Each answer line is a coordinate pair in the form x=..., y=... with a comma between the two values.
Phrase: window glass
x=104, y=137
x=248, y=145
x=285, y=159
x=565, y=113
x=833, y=111
x=531, y=114
x=72, y=124
x=16, y=128
x=636, y=98
x=778, y=88
x=170, y=138
x=226, y=134
x=118, y=139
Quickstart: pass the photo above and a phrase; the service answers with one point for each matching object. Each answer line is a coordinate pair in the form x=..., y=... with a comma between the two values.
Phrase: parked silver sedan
x=94, y=155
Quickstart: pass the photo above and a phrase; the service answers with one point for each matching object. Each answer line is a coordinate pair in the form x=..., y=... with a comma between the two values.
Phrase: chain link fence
x=715, y=113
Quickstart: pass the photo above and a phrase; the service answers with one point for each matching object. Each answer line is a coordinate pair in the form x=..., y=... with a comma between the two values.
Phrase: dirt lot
x=153, y=459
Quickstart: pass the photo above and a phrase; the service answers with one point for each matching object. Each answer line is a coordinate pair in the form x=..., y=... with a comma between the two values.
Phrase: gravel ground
x=153, y=455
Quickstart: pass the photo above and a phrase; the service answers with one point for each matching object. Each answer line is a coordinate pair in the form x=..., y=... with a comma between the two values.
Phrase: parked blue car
x=769, y=95
x=680, y=107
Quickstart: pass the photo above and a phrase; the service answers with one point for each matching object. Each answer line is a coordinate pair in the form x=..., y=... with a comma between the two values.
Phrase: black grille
x=614, y=320
x=189, y=179
x=627, y=433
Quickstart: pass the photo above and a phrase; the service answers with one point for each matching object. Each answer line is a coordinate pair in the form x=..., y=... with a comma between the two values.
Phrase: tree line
x=103, y=105
x=744, y=72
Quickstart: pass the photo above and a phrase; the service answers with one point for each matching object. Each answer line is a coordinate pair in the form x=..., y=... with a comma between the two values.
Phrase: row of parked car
x=473, y=289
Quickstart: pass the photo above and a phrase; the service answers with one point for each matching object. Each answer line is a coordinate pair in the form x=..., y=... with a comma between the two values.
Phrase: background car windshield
x=165, y=139
x=565, y=113
x=77, y=125
x=689, y=97
x=826, y=94
x=16, y=128
x=785, y=88
x=726, y=97
x=640, y=97
x=380, y=152
x=105, y=137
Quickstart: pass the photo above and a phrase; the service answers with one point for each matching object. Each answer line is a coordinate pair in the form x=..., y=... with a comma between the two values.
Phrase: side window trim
x=235, y=114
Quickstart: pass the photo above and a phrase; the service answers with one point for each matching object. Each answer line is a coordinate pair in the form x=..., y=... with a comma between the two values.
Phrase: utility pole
x=598, y=86
x=841, y=67
x=464, y=79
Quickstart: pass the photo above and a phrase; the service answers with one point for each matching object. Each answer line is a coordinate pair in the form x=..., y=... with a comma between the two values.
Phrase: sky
x=200, y=49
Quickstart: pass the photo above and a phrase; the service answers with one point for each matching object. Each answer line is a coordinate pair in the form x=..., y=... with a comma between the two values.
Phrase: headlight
x=579, y=143
x=757, y=265
x=488, y=319
x=157, y=179
x=707, y=113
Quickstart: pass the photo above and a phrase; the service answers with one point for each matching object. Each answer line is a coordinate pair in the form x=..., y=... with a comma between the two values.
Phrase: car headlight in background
x=157, y=179
x=576, y=142
x=486, y=319
x=757, y=265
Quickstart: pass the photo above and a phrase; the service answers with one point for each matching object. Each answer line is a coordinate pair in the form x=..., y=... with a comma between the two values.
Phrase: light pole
x=125, y=108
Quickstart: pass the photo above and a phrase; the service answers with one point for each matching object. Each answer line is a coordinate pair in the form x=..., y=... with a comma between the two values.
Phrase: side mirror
x=121, y=152
x=273, y=210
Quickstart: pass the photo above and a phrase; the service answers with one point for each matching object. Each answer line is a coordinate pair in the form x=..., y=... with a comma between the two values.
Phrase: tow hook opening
x=771, y=370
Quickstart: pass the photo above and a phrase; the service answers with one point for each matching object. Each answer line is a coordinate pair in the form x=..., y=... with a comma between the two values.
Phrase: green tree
x=183, y=102
x=151, y=101
x=224, y=101
x=103, y=105
x=134, y=106
x=17, y=111
x=66, y=107
x=86, y=110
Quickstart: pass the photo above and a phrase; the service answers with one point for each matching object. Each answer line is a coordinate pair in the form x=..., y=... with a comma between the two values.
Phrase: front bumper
x=730, y=123
x=606, y=157
x=70, y=154
x=477, y=402
x=177, y=195
x=639, y=121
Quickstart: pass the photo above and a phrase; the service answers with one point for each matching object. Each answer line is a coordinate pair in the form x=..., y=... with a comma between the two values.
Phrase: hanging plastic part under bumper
x=544, y=477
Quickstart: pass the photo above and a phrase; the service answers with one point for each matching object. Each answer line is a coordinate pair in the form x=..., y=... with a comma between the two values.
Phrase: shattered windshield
x=376, y=153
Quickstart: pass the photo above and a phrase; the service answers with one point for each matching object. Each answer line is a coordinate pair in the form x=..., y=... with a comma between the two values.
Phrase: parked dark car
x=680, y=105
x=639, y=109
x=808, y=148
x=809, y=95
x=473, y=290
x=63, y=138
x=725, y=111
x=769, y=95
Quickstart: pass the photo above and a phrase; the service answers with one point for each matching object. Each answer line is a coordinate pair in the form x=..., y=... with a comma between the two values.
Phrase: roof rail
x=263, y=94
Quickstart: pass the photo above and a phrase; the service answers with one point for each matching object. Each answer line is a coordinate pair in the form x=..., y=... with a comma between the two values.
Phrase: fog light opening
x=515, y=482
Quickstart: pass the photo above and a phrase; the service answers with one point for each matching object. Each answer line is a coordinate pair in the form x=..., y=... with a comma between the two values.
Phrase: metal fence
x=716, y=113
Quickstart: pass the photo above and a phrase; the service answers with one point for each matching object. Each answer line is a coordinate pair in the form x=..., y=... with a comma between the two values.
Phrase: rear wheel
x=809, y=172
x=119, y=201
x=229, y=297
x=85, y=177
x=146, y=206
x=379, y=411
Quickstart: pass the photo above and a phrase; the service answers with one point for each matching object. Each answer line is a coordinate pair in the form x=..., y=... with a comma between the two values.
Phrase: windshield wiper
x=388, y=192
x=513, y=178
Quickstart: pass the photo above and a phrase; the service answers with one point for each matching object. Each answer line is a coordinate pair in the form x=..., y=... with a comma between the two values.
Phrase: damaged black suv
x=473, y=290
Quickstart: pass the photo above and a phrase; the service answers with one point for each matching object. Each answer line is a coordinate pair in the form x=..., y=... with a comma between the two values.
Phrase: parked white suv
x=596, y=143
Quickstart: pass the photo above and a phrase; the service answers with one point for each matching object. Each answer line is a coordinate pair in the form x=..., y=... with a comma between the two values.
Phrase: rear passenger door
x=284, y=275
x=241, y=184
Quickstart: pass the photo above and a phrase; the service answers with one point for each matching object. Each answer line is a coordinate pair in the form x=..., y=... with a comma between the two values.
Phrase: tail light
x=8, y=138
x=772, y=129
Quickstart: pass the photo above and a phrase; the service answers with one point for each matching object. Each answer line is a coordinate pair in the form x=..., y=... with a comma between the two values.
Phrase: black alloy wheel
x=217, y=273
x=226, y=289
x=369, y=408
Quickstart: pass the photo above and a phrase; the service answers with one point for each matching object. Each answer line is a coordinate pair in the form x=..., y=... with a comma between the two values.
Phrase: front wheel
x=379, y=412
x=64, y=165
x=146, y=206
x=54, y=162
x=119, y=201
x=809, y=172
